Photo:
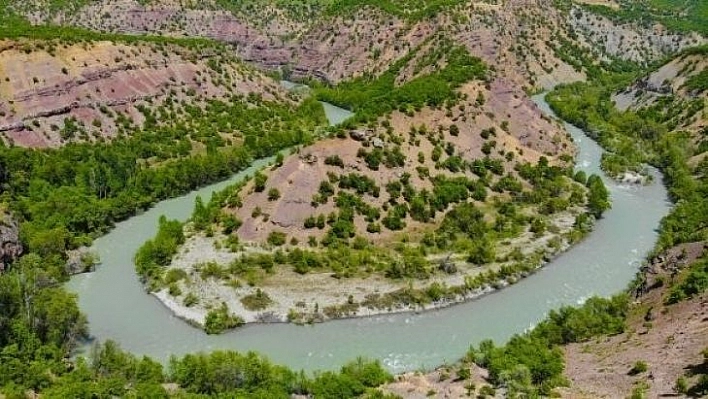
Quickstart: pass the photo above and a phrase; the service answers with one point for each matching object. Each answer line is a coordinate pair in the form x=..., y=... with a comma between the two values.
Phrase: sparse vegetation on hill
x=422, y=190
x=682, y=15
x=411, y=10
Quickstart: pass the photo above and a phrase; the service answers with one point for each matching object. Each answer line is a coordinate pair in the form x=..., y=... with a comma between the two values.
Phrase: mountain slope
x=53, y=93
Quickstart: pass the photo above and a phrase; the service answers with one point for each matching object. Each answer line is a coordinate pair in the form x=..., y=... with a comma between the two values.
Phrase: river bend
x=118, y=308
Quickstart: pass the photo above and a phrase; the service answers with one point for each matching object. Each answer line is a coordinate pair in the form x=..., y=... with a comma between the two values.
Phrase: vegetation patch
x=257, y=301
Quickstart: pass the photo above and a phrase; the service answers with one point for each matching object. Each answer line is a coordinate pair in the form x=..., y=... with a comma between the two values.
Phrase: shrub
x=273, y=194
x=258, y=301
x=219, y=320
x=190, y=300
x=638, y=368
x=276, y=238
x=259, y=181
x=334, y=160
x=694, y=283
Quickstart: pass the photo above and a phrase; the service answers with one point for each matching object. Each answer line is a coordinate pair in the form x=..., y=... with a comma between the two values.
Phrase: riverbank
x=286, y=296
x=666, y=338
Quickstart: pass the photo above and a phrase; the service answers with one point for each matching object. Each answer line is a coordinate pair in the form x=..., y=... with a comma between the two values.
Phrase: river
x=118, y=308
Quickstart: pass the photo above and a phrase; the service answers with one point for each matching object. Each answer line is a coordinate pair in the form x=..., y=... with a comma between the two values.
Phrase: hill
x=434, y=200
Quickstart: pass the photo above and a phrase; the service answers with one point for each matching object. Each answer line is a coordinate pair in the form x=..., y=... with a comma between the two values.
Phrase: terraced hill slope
x=545, y=42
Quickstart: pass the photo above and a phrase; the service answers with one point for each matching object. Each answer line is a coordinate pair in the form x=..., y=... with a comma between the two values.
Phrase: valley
x=419, y=161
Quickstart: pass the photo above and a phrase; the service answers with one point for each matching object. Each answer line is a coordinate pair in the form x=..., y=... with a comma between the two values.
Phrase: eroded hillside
x=446, y=184
x=529, y=45
x=536, y=43
x=678, y=88
x=55, y=92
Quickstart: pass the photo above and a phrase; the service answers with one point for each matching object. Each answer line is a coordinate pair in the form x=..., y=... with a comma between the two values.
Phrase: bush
x=230, y=223
x=482, y=252
x=276, y=238
x=190, y=300
x=259, y=182
x=638, y=368
x=258, y=301
x=273, y=194
x=334, y=160
x=693, y=284
x=219, y=320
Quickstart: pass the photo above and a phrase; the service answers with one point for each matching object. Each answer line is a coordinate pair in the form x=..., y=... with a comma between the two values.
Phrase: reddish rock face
x=90, y=84
x=518, y=38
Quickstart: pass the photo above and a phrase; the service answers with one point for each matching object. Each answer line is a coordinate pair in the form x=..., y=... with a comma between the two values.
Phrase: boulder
x=81, y=261
x=10, y=246
x=358, y=135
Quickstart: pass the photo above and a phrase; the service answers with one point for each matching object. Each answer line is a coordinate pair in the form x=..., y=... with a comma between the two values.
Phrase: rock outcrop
x=10, y=245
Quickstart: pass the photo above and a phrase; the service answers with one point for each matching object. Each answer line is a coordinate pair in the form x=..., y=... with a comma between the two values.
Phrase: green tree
x=598, y=197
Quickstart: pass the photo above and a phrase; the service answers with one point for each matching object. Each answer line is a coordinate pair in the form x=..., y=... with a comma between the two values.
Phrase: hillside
x=54, y=92
x=667, y=337
x=678, y=16
x=678, y=88
x=527, y=44
x=536, y=43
